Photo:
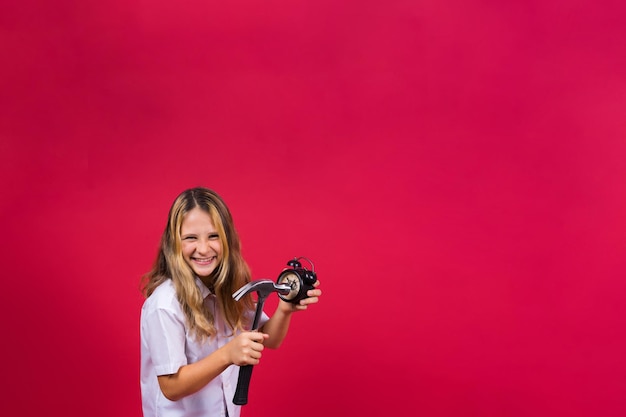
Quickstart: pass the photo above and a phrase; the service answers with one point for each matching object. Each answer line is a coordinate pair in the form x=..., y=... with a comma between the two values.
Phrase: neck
x=209, y=282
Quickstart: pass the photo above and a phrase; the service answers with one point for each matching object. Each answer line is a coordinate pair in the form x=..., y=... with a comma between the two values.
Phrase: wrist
x=286, y=308
x=222, y=356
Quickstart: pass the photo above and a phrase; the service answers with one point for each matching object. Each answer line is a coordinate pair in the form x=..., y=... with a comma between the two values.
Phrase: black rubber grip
x=243, y=383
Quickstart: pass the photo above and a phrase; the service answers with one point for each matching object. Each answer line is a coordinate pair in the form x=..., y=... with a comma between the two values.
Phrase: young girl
x=193, y=334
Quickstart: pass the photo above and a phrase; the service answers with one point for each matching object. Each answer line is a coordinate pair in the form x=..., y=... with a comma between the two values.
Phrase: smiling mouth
x=204, y=261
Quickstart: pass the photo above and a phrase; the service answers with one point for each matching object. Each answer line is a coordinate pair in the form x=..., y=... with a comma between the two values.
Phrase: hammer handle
x=243, y=383
x=245, y=371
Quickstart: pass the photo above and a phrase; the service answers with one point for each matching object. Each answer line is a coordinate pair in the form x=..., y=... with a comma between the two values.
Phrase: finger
x=305, y=302
x=314, y=293
x=253, y=335
x=258, y=336
x=254, y=354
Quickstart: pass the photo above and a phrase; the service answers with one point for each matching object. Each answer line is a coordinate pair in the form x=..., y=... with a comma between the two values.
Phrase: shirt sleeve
x=165, y=337
x=264, y=318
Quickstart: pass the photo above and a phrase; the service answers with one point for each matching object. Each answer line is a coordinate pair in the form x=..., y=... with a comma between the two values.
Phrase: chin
x=204, y=274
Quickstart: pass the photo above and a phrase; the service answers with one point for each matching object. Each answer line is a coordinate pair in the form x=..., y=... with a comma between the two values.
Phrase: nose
x=203, y=246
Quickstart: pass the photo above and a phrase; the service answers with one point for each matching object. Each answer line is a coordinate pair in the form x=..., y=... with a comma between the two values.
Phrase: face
x=202, y=248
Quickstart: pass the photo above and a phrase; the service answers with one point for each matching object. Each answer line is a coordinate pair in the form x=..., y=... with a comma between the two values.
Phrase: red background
x=455, y=170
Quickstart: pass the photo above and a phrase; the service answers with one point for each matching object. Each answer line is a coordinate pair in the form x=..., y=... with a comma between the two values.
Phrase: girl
x=193, y=334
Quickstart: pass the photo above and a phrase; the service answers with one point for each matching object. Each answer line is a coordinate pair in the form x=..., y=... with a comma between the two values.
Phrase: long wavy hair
x=230, y=275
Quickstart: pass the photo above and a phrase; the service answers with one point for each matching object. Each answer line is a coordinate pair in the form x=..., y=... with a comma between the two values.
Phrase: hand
x=245, y=348
x=313, y=298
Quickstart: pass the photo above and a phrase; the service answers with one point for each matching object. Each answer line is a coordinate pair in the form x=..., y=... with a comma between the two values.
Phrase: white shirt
x=167, y=344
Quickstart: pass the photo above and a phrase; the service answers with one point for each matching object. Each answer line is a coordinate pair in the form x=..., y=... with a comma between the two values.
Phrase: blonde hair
x=230, y=275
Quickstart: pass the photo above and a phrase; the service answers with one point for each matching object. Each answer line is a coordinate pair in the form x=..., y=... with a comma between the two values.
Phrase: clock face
x=293, y=281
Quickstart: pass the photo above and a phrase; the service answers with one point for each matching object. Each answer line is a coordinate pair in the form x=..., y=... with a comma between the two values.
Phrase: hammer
x=263, y=288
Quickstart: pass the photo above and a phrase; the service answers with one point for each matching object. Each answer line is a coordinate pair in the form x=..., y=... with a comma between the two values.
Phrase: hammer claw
x=242, y=291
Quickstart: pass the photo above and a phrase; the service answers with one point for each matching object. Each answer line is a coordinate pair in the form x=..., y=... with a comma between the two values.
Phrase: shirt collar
x=204, y=290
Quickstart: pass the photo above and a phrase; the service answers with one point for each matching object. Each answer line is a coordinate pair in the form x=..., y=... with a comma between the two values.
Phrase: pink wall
x=454, y=169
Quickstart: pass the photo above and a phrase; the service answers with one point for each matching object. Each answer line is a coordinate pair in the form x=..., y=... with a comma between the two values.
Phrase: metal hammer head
x=263, y=288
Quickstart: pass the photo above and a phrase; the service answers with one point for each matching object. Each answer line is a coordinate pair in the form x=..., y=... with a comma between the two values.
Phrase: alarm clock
x=298, y=278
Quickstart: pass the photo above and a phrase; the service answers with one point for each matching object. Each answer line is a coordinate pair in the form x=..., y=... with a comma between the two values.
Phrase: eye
x=189, y=238
x=214, y=236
